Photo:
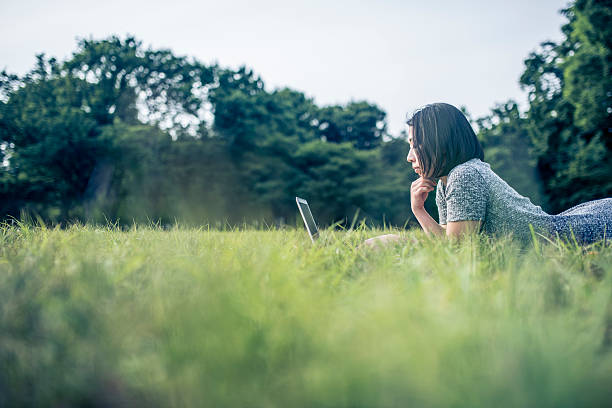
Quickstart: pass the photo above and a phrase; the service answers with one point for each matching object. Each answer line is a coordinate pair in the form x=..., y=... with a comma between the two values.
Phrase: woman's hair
x=442, y=138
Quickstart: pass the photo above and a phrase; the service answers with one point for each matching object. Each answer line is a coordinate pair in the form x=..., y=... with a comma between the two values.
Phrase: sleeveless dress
x=474, y=192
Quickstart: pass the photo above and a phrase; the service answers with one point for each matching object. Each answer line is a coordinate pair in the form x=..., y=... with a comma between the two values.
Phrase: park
x=152, y=253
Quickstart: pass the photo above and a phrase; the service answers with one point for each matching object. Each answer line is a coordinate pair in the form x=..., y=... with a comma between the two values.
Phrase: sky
x=399, y=55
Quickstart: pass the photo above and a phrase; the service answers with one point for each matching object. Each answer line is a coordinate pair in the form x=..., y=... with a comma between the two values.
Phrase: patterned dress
x=474, y=192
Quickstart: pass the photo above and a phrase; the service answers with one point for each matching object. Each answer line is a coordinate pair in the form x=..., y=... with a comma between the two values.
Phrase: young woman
x=446, y=154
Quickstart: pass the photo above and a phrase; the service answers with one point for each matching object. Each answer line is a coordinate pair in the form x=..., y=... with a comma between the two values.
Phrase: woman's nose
x=410, y=157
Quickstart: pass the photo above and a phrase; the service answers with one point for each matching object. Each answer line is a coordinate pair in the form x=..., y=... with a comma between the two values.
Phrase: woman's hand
x=419, y=190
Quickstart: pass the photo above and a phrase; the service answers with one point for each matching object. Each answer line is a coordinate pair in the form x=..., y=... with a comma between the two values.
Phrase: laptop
x=309, y=221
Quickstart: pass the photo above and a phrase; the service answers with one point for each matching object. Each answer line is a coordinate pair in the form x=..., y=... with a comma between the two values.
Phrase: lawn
x=93, y=316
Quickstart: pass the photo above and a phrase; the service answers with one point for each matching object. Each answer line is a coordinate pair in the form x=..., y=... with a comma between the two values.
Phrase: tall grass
x=198, y=317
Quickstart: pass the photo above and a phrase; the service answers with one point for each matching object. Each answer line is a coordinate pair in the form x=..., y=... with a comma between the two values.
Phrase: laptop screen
x=307, y=217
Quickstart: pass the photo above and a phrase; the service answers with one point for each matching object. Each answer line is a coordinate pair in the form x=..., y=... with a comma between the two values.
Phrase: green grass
x=185, y=317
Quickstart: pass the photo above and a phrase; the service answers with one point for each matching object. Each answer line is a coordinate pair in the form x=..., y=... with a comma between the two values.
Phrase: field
x=196, y=317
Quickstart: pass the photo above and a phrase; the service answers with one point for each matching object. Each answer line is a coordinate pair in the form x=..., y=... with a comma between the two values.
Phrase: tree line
x=122, y=133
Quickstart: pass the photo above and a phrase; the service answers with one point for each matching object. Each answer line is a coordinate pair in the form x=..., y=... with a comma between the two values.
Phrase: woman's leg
x=590, y=207
x=588, y=222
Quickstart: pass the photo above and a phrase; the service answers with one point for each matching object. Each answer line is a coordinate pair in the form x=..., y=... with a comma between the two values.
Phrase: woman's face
x=412, y=158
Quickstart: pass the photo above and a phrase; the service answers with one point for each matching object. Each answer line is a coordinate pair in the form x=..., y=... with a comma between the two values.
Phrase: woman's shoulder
x=468, y=171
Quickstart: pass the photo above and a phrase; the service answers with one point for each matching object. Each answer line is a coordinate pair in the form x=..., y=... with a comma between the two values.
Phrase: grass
x=196, y=317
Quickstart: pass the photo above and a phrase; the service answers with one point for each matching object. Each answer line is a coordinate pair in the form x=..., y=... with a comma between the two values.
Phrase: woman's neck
x=443, y=179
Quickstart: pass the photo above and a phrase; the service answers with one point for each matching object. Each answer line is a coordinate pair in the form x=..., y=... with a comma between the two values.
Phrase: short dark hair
x=442, y=138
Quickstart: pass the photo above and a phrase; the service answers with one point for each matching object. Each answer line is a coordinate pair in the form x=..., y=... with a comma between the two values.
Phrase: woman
x=445, y=152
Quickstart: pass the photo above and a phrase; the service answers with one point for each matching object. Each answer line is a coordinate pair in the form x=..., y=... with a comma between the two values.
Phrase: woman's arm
x=418, y=194
x=458, y=228
x=419, y=190
x=451, y=230
x=429, y=225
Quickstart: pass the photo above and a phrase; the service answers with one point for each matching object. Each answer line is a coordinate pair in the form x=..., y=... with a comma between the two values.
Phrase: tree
x=336, y=176
x=54, y=120
x=588, y=65
x=124, y=133
x=51, y=142
x=117, y=74
x=568, y=119
x=283, y=145
x=508, y=149
x=359, y=123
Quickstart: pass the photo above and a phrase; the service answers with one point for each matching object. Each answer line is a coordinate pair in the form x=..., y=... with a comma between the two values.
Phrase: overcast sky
x=397, y=54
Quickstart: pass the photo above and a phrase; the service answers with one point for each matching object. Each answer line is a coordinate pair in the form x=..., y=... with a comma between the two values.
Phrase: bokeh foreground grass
x=184, y=317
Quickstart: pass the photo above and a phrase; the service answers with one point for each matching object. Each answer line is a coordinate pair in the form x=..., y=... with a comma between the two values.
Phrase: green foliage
x=334, y=175
x=508, y=149
x=283, y=146
x=121, y=132
x=588, y=66
x=198, y=317
x=130, y=134
x=240, y=117
x=54, y=121
x=358, y=123
x=52, y=143
x=565, y=133
x=116, y=72
x=569, y=117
